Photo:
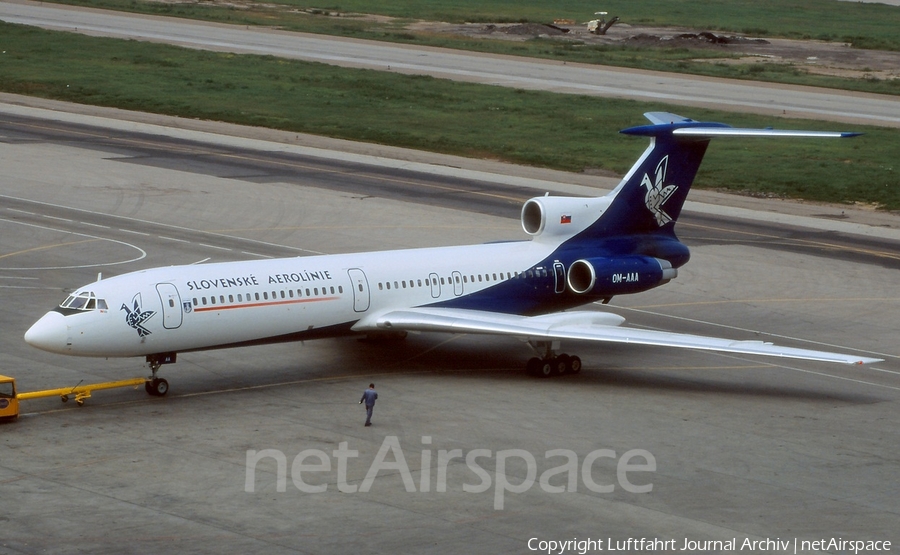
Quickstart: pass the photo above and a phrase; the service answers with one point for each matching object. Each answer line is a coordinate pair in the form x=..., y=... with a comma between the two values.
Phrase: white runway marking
x=168, y=226
x=214, y=247
x=135, y=232
x=143, y=253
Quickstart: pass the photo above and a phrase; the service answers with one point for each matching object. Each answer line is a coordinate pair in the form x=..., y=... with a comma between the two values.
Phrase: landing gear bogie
x=549, y=363
x=553, y=366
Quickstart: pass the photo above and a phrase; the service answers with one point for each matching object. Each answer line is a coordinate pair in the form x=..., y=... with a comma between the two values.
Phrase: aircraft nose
x=50, y=333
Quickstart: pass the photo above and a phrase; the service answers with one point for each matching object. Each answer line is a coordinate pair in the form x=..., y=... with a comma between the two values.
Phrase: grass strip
x=567, y=132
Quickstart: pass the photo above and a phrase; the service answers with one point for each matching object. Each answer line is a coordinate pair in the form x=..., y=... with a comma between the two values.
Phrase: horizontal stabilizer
x=735, y=132
x=664, y=123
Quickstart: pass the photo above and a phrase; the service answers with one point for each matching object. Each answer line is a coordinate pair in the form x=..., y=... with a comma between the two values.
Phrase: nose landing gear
x=155, y=386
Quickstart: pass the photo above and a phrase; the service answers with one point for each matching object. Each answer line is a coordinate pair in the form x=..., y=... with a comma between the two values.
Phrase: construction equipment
x=9, y=399
x=601, y=26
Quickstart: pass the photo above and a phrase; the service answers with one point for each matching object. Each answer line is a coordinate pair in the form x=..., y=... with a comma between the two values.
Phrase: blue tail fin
x=650, y=197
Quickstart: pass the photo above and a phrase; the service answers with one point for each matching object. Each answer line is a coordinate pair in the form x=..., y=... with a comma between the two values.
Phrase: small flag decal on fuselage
x=565, y=219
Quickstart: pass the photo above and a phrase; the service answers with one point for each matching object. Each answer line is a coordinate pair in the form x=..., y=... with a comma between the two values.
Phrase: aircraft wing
x=585, y=326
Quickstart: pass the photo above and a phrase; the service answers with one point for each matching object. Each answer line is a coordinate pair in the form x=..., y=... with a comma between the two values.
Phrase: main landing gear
x=157, y=387
x=551, y=364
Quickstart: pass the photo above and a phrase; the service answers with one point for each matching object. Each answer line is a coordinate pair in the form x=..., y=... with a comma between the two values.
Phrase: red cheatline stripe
x=275, y=303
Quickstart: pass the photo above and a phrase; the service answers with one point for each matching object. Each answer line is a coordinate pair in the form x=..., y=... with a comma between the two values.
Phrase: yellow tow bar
x=9, y=399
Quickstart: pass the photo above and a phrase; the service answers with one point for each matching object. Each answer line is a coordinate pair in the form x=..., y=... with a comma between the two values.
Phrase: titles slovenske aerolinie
x=252, y=280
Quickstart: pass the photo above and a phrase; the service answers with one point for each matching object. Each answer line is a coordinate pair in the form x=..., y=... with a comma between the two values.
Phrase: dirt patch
x=825, y=58
x=524, y=30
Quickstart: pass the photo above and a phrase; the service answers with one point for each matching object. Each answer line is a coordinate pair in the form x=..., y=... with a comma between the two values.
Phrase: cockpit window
x=86, y=300
x=74, y=302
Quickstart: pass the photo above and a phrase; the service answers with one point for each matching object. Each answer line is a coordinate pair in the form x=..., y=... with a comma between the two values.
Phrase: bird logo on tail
x=658, y=193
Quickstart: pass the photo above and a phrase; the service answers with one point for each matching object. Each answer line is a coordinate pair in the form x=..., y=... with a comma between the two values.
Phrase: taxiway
x=743, y=447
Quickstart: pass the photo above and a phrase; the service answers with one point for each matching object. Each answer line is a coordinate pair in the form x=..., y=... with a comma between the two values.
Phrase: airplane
x=581, y=251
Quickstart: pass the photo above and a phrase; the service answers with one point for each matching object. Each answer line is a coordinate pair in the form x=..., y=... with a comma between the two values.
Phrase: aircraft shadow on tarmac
x=502, y=360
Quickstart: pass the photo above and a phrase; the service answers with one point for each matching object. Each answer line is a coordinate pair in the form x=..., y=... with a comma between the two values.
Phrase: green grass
x=542, y=129
x=863, y=25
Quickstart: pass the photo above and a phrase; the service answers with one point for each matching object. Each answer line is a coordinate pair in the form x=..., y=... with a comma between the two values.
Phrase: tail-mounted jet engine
x=552, y=217
x=609, y=276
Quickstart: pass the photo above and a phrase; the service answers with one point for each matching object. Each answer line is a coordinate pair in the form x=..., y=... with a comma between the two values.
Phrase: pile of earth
x=526, y=29
x=692, y=39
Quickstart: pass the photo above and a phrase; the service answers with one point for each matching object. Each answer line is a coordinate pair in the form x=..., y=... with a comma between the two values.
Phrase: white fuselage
x=185, y=308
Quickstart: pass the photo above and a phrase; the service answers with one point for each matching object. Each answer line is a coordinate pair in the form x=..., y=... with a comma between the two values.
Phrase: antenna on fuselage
x=99, y=276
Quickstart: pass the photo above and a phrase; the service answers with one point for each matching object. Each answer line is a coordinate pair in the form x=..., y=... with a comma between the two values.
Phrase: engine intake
x=554, y=217
x=609, y=276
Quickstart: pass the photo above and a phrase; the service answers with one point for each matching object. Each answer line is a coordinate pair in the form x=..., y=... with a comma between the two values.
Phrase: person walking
x=369, y=397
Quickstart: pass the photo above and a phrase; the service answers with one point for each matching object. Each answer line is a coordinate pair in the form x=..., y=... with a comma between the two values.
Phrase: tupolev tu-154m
x=581, y=251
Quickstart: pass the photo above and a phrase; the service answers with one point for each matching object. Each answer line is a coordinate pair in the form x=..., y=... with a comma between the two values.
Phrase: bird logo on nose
x=135, y=317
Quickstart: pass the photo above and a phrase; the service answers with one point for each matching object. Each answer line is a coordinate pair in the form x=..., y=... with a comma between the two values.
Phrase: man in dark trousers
x=369, y=397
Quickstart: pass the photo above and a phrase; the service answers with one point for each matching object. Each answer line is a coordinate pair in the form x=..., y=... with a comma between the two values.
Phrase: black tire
x=574, y=365
x=148, y=387
x=534, y=366
x=547, y=369
x=561, y=364
x=160, y=387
